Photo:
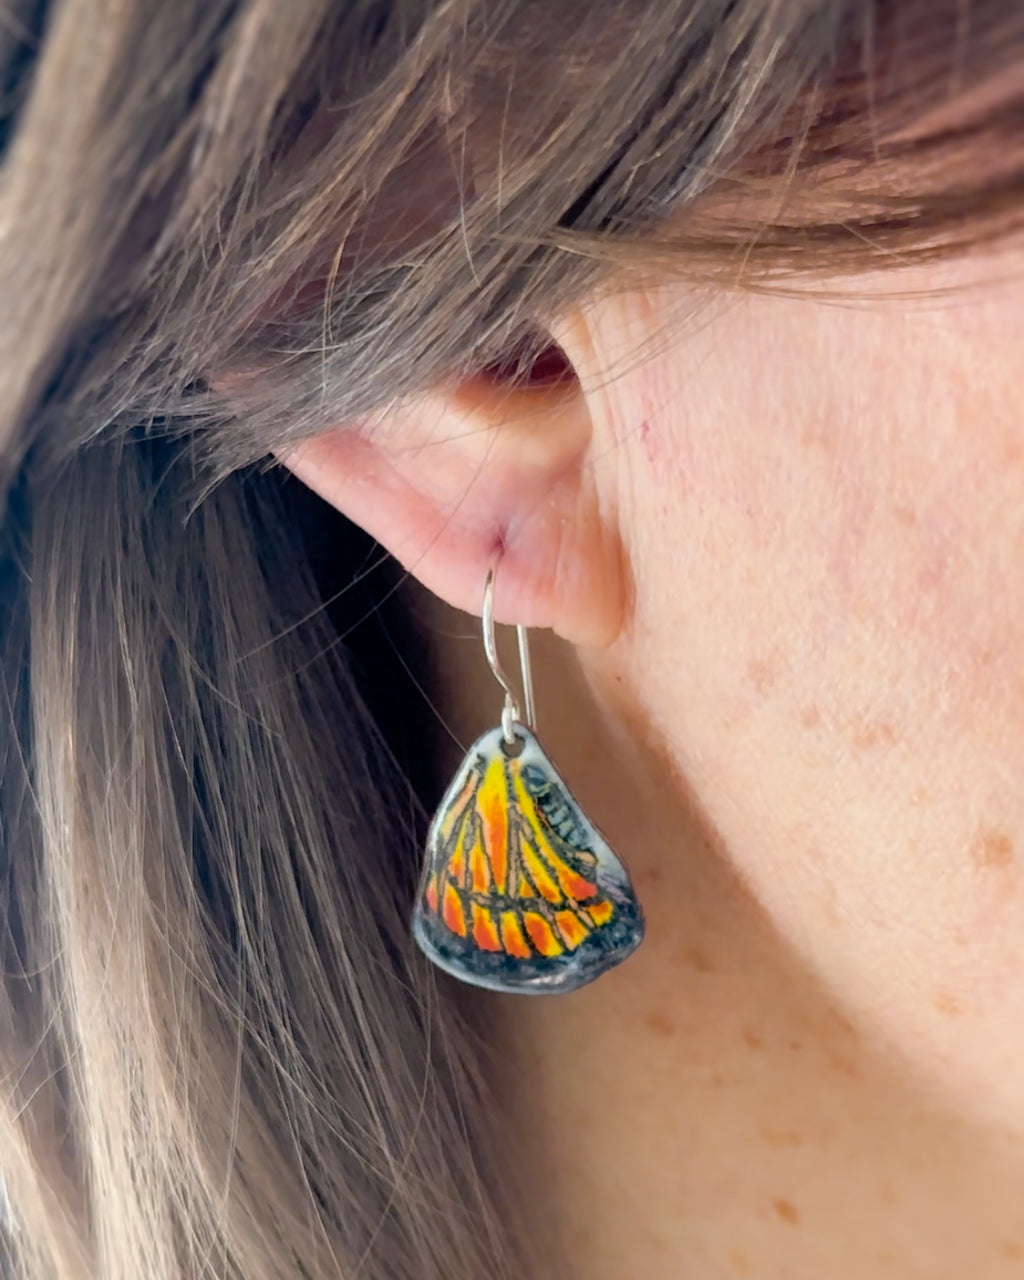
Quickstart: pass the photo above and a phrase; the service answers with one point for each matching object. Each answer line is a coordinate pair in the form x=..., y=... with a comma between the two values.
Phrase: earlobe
x=450, y=479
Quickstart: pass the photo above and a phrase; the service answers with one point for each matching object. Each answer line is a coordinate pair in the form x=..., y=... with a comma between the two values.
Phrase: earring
x=520, y=892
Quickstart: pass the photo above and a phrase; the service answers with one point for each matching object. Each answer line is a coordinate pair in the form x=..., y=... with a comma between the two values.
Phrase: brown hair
x=220, y=1055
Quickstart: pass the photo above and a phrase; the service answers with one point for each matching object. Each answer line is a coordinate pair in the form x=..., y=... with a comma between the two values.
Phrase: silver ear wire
x=520, y=892
x=510, y=713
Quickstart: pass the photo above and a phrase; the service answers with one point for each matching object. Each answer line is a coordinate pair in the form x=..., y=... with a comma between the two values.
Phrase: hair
x=219, y=1053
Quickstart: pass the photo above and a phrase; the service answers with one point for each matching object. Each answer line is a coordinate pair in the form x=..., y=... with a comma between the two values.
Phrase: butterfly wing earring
x=520, y=891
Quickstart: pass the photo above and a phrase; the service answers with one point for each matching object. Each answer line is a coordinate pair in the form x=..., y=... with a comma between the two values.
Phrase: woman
x=686, y=332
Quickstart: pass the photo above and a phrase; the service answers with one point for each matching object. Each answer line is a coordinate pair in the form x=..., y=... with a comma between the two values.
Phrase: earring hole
x=514, y=748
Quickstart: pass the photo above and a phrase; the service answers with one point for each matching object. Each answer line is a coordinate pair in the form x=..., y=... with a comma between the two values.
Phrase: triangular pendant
x=520, y=892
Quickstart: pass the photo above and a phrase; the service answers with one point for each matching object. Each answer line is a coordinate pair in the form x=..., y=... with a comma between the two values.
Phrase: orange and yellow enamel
x=512, y=936
x=600, y=912
x=541, y=934
x=513, y=874
x=570, y=926
x=452, y=912
x=485, y=935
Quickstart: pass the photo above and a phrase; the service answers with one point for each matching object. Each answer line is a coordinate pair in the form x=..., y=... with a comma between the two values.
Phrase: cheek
x=830, y=637
x=921, y=537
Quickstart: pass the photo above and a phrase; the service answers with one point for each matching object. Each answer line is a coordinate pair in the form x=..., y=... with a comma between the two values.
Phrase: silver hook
x=510, y=712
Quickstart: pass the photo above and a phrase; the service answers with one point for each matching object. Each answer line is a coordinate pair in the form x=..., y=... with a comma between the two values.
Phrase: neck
x=711, y=1108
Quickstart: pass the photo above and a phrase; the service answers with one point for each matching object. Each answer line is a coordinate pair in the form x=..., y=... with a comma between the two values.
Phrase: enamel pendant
x=520, y=892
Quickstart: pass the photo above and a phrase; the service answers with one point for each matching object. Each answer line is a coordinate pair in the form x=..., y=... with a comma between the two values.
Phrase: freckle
x=741, y=1263
x=948, y=1004
x=874, y=734
x=1010, y=1249
x=905, y=515
x=660, y=1025
x=781, y=1137
x=786, y=1210
x=795, y=1045
x=1011, y=449
x=657, y=1242
x=819, y=438
x=844, y=1064
x=992, y=850
x=885, y=1257
x=886, y=1193
x=810, y=717
x=752, y=1040
x=697, y=959
x=761, y=675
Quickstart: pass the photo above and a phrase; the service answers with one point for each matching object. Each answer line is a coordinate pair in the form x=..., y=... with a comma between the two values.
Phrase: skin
x=778, y=542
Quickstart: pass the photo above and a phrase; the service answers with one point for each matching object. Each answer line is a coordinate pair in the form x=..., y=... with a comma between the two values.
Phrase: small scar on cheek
x=992, y=850
x=647, y=441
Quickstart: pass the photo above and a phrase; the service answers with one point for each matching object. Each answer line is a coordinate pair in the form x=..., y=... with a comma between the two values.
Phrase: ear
x=448, y=480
